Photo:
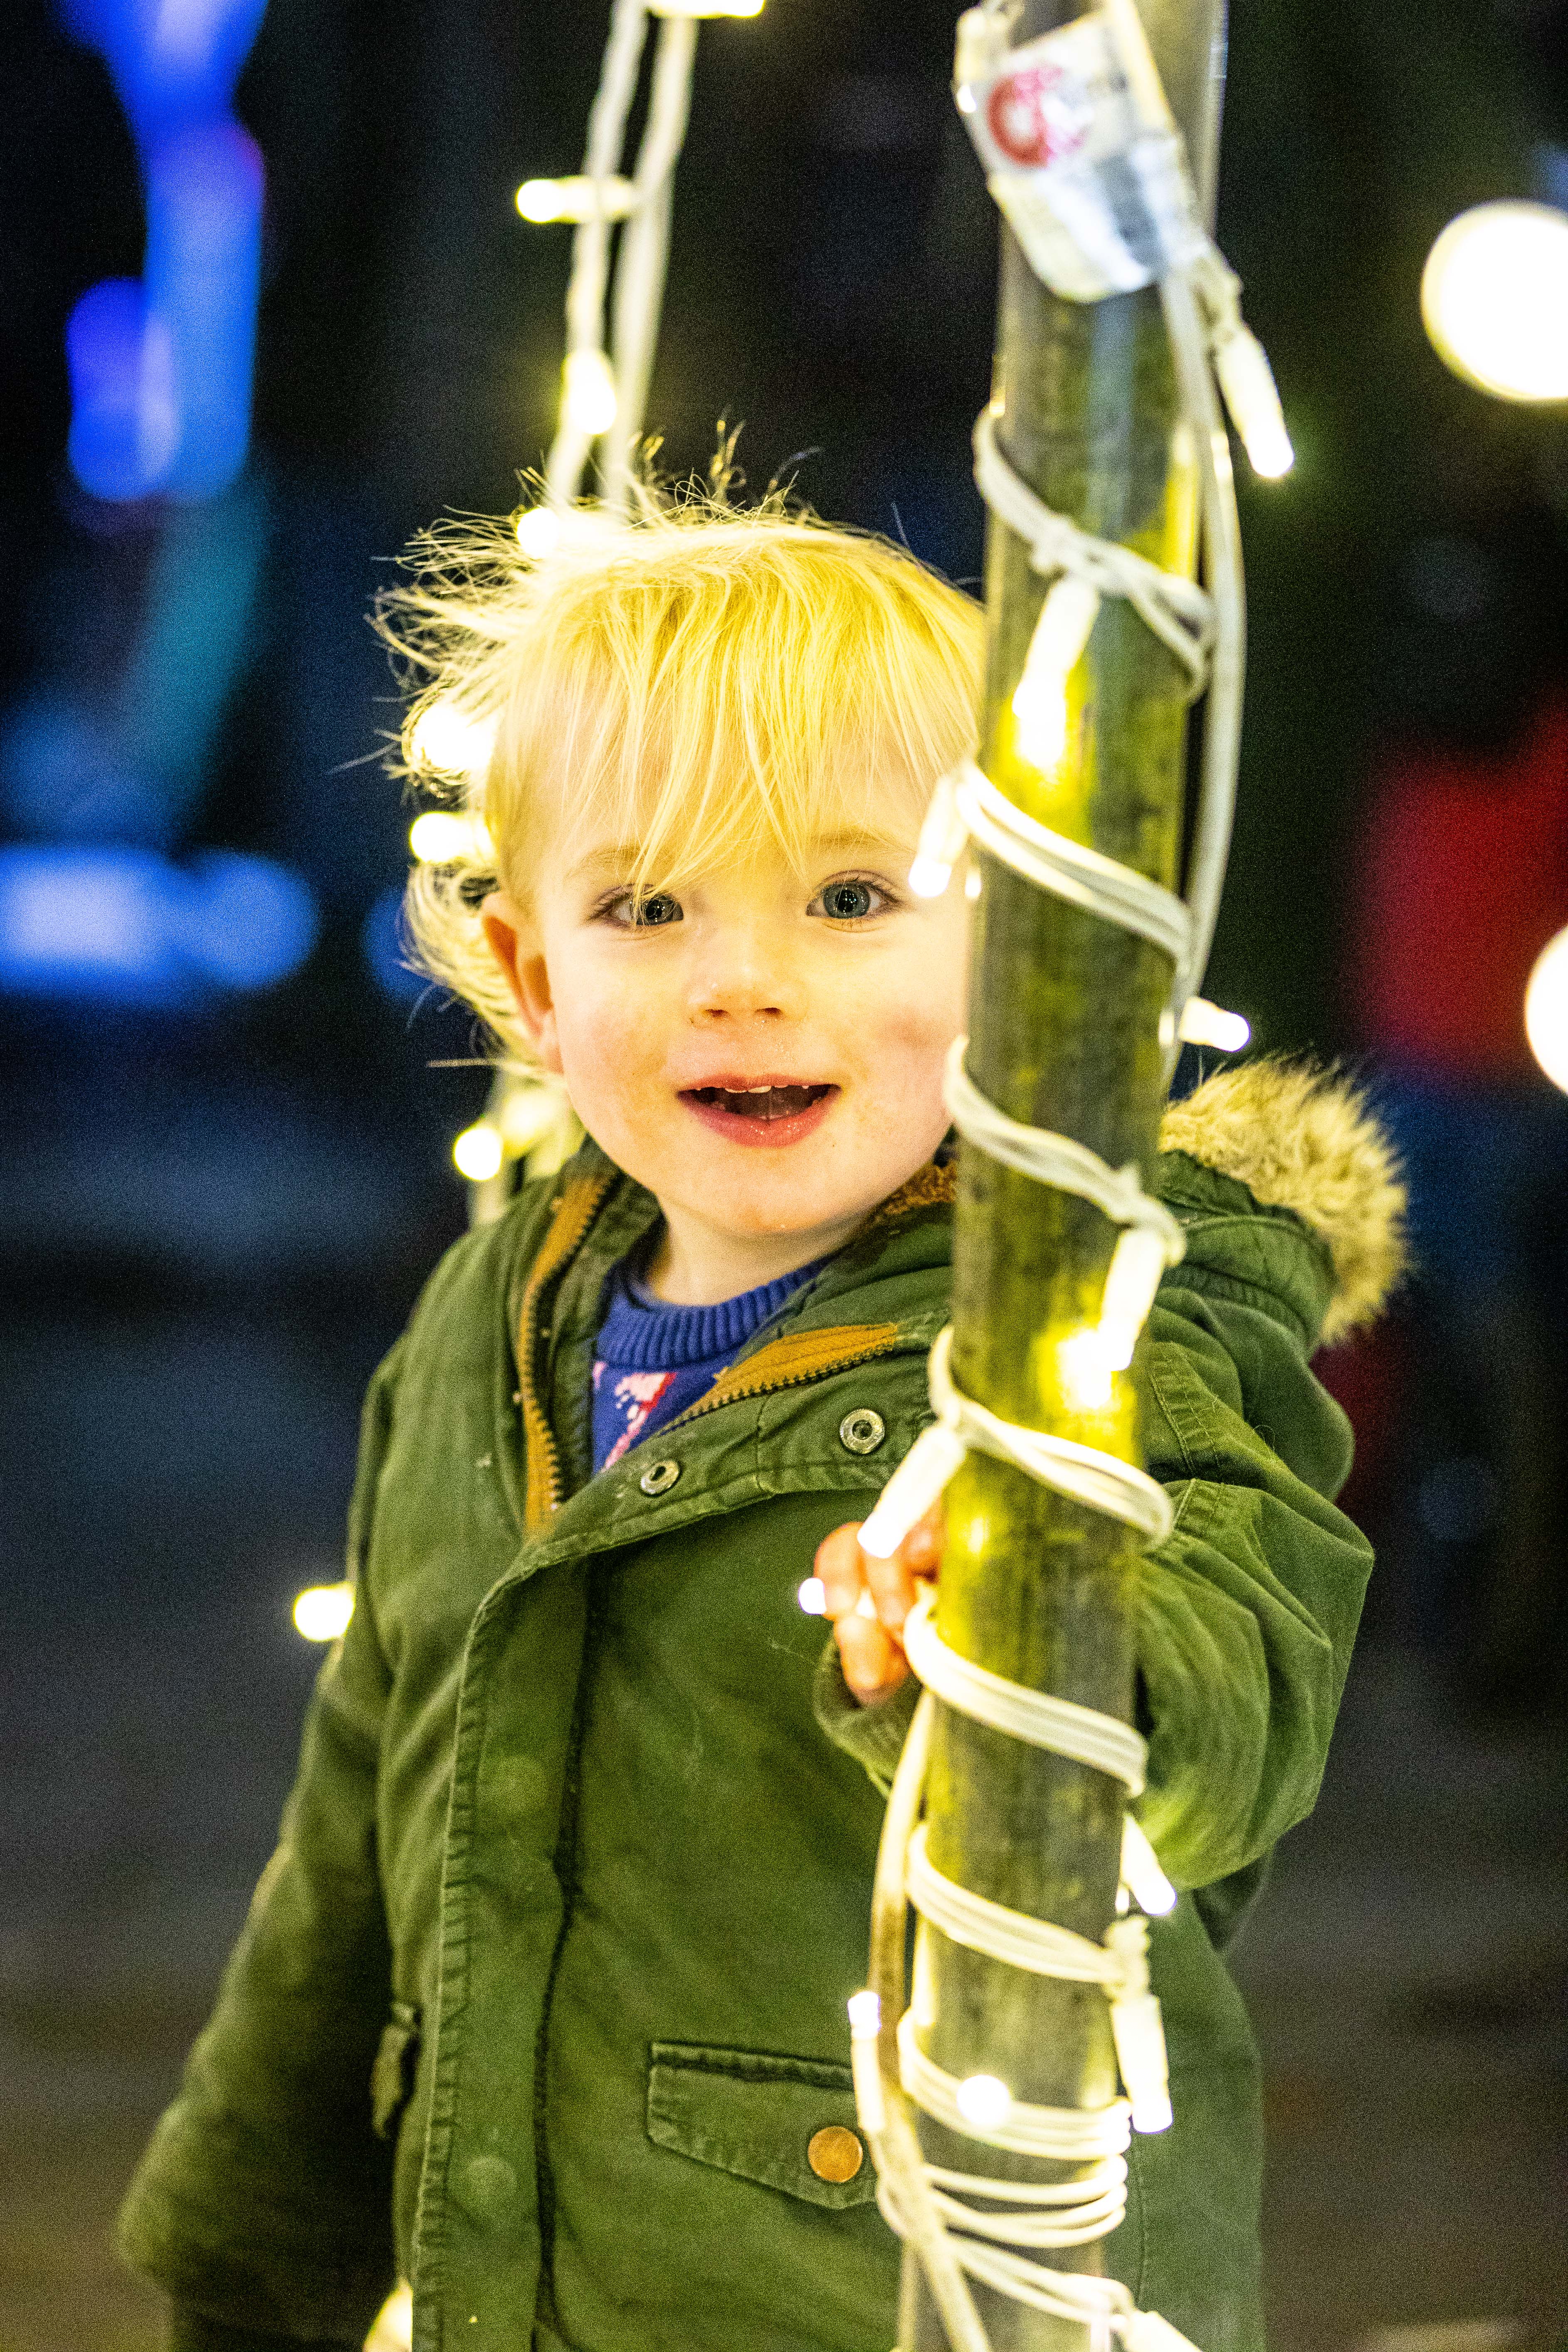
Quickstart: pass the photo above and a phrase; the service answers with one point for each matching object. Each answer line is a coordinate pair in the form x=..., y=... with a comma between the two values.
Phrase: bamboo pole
x=1063, y=1034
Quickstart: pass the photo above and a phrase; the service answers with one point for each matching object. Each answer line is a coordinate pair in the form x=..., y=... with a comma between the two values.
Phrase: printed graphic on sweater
x=634, y=1398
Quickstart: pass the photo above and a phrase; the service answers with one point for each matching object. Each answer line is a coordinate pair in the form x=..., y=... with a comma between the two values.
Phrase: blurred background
x=266, y=307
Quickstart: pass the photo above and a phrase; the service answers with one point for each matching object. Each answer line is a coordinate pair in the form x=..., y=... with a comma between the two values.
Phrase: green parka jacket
x=541, y=2000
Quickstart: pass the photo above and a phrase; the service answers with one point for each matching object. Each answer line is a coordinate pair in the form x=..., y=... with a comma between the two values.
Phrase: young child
x=541, y=2001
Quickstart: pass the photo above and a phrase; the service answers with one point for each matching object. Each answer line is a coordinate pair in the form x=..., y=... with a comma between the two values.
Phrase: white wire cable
x=996, y=2240
x=1055, y=862
x=643, y=260
x=1176, y=609
x=591, y=245
x=1057, y=1160
x=1101, y=1741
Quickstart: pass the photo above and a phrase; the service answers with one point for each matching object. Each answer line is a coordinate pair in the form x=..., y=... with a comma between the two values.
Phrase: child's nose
x=744, y=983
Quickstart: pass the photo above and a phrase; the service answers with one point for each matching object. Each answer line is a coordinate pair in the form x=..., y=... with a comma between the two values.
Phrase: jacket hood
x=1303, y=1137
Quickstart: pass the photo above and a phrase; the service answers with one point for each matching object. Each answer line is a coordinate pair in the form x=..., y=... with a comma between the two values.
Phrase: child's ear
x=517, y=947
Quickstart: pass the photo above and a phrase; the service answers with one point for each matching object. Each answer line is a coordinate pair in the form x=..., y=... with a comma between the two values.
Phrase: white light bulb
x=1246, y=380
x=1040, y=699
x=576, y=199
x=1141, y=1874
x=940, y=846
x=1546, y=1010
x=865, y=2015
x=537, y=531
x=444, y=836
x=526, y=1113
x=1494, y=297
x=1136, y=1266
x=323, y=1613
x=449, y=740
x=540, y=200
x=983, y=2100
x=1203, y=1024
x=812, y=1597
x=479, y=1152
x=590, y=394
x=1086, y=1375
x=933, y=1458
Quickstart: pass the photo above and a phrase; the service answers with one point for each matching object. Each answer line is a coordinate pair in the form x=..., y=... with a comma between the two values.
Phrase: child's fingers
x=873, y=1661
x=841, y=1565
x=921, y=1547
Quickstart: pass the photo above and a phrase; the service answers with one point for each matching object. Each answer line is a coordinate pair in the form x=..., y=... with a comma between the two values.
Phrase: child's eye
x=644, y=914
x=850, y=900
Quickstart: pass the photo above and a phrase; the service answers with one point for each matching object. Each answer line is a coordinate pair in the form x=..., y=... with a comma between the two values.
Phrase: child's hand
x=854, y=1586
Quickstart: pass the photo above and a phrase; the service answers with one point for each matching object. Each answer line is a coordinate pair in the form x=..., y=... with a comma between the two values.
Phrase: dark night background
x=217, y=1205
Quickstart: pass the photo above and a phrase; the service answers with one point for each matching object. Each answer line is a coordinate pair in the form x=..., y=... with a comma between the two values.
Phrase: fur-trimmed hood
x=1304, y=1137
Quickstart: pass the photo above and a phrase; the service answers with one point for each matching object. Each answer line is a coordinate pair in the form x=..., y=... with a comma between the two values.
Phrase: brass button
x=659, y=1478
x=862, y=1431
x=835, y=2153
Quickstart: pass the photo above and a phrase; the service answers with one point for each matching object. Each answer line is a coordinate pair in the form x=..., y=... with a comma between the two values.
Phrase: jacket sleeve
x=263, y=2202
x=1250, y=1608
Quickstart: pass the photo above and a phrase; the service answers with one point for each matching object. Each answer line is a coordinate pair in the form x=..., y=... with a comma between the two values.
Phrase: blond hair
x=705, y=685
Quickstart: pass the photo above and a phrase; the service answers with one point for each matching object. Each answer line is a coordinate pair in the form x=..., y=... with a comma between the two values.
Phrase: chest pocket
x=788, y=2123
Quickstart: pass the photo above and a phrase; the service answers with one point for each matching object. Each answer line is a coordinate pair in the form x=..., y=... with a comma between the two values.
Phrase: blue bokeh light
x=386, y=945
x=161, y=373
x=111, y=925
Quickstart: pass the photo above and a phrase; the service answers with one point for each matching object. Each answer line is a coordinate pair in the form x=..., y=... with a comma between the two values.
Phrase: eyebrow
x=612, y=860
x=618, y=857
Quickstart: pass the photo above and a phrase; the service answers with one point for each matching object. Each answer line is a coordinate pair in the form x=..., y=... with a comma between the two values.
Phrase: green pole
x=1064, y=1035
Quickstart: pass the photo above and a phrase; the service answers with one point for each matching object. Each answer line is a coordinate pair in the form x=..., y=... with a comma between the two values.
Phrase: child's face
x=762, y=1049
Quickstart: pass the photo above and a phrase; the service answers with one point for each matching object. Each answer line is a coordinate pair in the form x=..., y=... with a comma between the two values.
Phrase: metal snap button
x=835, y=2153
x=659, y=1478
x=862, y=1431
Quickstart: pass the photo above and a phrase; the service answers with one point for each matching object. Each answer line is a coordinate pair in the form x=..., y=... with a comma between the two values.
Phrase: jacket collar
x=598, y=1213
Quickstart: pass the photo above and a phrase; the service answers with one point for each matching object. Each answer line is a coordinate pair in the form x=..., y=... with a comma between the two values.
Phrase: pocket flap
x=788, y=2123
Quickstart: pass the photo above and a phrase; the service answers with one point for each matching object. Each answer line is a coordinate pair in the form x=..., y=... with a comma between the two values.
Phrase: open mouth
x=779, y=1111
x=768, y=1103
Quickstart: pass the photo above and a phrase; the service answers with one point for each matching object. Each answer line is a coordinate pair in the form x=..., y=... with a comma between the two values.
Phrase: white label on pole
x=1101, y=201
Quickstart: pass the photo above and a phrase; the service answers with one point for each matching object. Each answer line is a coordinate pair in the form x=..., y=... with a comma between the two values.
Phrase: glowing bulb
x=943, y=835
x=590, y=394
x=1141, y=1874
x=323, y=1613
x=576, y=199
x=865, y=2015
x=443, y=837
x=909, y=1493
x=1252, y=397
x=1136, y=1267
x=450, y=739
x=1040, y=700
x=526, y=1112
x=1086, y=1375
x=479, y=1152
x=813, y=1598
x=983, y=2100
x=1494, y=299
x=1546, y=1010
x=539, y=532
x=1203, y=1024
x=393, y=2329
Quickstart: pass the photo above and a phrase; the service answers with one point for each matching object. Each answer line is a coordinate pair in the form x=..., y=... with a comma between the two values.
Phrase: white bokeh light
x=1546, y=1010
x=1494, y=297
